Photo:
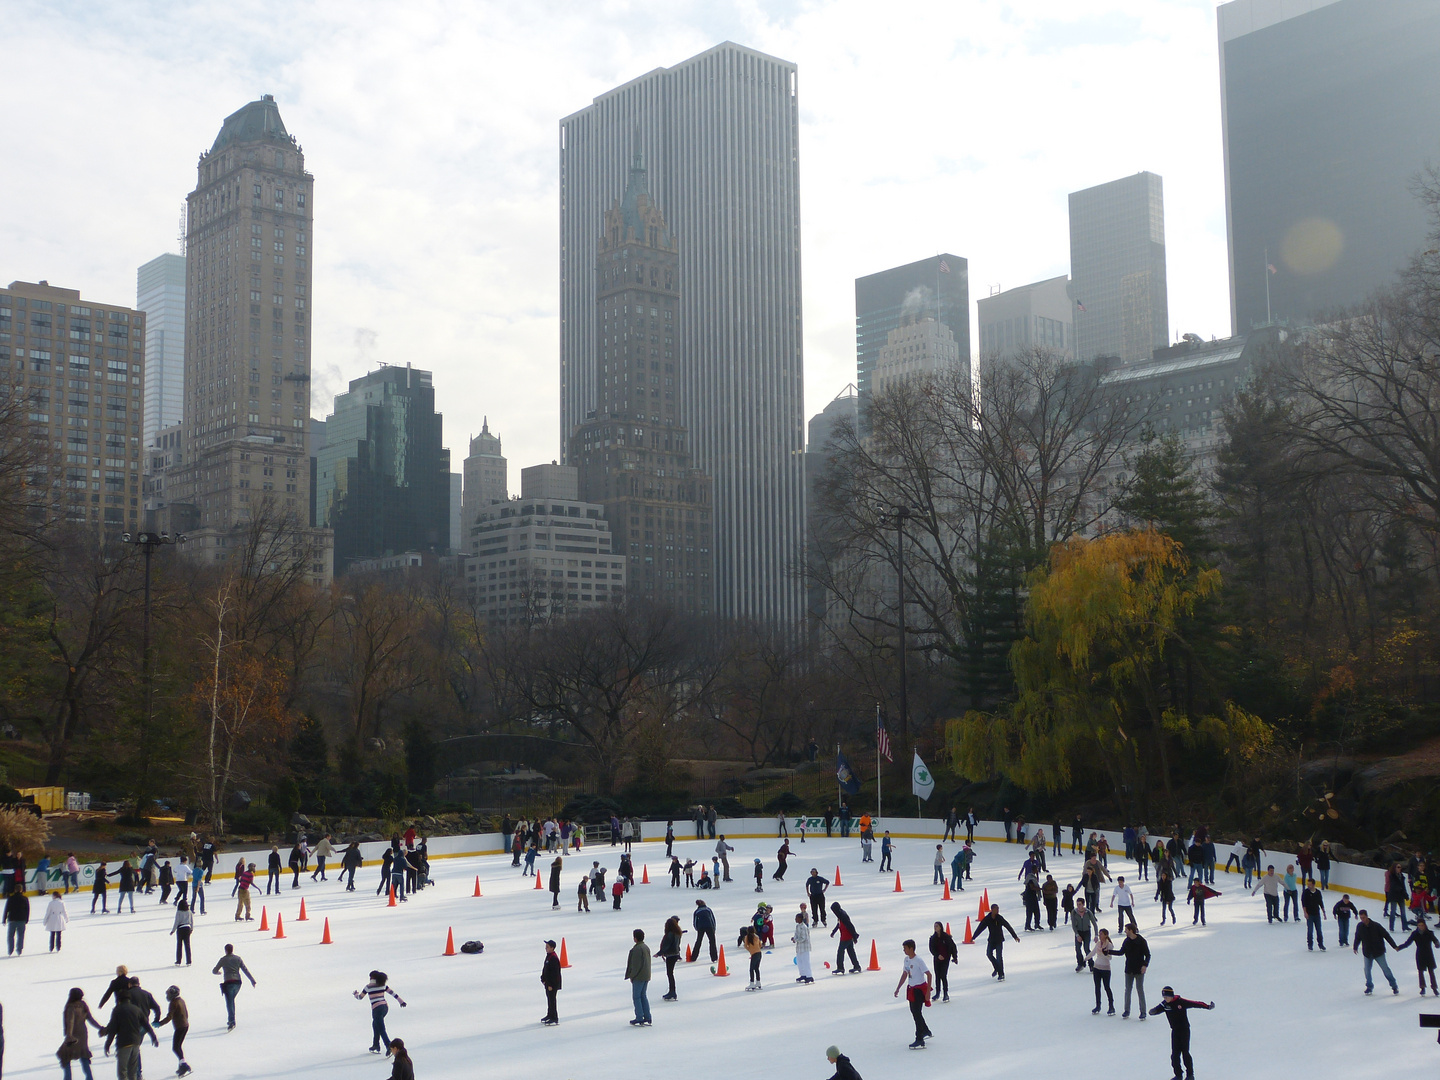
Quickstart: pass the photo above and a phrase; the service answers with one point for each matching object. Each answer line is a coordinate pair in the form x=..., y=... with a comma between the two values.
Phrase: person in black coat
x=351, y=861
x=843, y=1069
x=704, y=923
x=550, y=979
x=386, y=862
x=995, y=926
x=555, y=868
x=1370, y=939
x=1176, y=1009
x=1136, y=951
x=944, y=953
x=275, y=868
x=1425, y=942
x=16, y=915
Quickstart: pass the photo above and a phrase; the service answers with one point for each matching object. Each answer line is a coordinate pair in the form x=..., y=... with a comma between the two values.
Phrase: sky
x=432, y=132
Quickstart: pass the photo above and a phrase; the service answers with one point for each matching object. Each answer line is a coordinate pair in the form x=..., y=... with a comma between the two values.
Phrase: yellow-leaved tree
x=1095, y=675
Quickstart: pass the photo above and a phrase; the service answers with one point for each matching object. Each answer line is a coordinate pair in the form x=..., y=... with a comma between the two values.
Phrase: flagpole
x=1267, y=286
x=839, y=794
x=878, y=803
x=915, y=752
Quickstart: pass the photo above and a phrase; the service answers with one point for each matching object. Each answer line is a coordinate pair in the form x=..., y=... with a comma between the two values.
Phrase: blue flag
x=849, y=782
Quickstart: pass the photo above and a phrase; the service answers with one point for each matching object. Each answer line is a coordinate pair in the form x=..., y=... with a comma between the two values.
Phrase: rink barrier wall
x=1366, y=882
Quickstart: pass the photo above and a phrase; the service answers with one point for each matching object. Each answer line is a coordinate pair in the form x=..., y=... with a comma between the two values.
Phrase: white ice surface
x=478, y=1015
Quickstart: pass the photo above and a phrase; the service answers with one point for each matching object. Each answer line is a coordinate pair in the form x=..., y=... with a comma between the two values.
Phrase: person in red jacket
x=1176, y=1010
x=848, y=936
x=1199, y=893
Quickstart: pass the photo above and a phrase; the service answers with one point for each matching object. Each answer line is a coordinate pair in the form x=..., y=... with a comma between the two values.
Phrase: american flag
x=882, y=740
x=944, y=267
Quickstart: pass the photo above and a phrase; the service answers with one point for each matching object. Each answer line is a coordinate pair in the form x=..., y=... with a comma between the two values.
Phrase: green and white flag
x=921, y=782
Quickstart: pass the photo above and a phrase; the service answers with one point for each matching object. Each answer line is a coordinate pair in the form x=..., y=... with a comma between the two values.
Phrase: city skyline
x=442, y=233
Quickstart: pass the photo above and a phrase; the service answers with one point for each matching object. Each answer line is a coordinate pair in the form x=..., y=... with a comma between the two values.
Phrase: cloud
x=431, y=129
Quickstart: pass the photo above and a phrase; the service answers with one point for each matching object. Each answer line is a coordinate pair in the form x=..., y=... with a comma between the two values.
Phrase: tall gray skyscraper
x=1039, y=315
x=160, y=293
x=1328, y=109
x=719, y=135
x=1117, y=269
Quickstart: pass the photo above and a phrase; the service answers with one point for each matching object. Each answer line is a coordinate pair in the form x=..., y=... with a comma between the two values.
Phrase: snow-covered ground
x=478, y=1015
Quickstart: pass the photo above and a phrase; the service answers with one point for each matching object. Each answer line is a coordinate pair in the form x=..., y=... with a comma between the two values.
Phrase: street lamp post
x=147, y=542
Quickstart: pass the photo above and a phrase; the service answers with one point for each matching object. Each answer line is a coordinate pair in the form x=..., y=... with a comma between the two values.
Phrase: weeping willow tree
x=1104, y=676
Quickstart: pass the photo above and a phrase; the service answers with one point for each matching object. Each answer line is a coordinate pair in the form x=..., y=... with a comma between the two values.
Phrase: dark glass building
x=938, y=286
x=383, y=482
x=1328, y=115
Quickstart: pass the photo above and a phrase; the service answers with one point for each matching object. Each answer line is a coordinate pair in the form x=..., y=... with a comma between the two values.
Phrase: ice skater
x=16, y=915
x=843, y=1069
x=996, y=927
x=1423, y=938
x=555, y=868
x=1370, y=939
x=703, y=920
x=1344, y=911
x=759, y=876
x=815, y=887
x=375, y=990
x=669, y=951
x=97, y=891
x=76, y=1046
x=582, y=894
x=231, y=966
x=550, y=980
x=1099, y=961
x=637, y=972
x=801, y=938
x=57, y=918
x=944, y=953
x=1312, y=903
x=675, y=871
x=915, y=978
x=178, y=1017
x=756, y=948
x=127, y=1029
x=1136, y=951
x=1199, y=893
x=848, y=936
x=182, y=928
x=1176, y=1010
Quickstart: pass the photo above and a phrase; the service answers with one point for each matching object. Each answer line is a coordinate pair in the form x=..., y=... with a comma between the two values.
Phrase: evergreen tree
x=1164, y=492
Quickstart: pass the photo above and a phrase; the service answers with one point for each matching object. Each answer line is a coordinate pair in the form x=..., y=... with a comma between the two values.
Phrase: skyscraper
x=719, y=133
x=247, y=325
x=80, y=368
x=1117, y=269
x=633, y=455
x=485, y=480
x=160, y=293
x=1039, y=315
x=938, y=287
x=384, y=475
x=1328, y=109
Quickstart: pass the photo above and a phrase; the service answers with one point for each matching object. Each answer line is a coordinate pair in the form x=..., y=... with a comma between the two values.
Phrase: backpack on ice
x=473, y=947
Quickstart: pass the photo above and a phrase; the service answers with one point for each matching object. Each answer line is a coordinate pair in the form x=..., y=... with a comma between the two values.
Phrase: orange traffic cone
x=645, y=874
x=279, y=925
x=720, y=968
x=537, y=882
x=302, y=917
x=325, y=937
x=837, y=875
x=477, y=885
x=564, y=956
x=449, y=942
x=969, y=937
x=264, y=919
x=946, y=894
x=874, y=957
x=392, y=897
x=897, y=882
x=947, y=927
x=689, y=955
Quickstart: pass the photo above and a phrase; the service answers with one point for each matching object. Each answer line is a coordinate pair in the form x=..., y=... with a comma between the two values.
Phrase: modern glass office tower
x=1117, y=269
x=383, y=482
x=1329, y=112
x=160, y=293
x=719, y=133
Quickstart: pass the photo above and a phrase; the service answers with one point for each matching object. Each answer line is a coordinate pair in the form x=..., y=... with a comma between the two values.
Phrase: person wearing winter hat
x=759, y=876
x=178, y=1017
x=1176, y=1010
x=843, y=1069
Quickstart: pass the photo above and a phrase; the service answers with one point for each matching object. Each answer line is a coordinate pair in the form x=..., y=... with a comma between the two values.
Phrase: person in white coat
x=57, y=918
x=802, y=949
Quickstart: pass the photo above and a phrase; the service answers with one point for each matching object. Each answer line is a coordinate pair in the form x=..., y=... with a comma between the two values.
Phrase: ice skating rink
x=474, y=1016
